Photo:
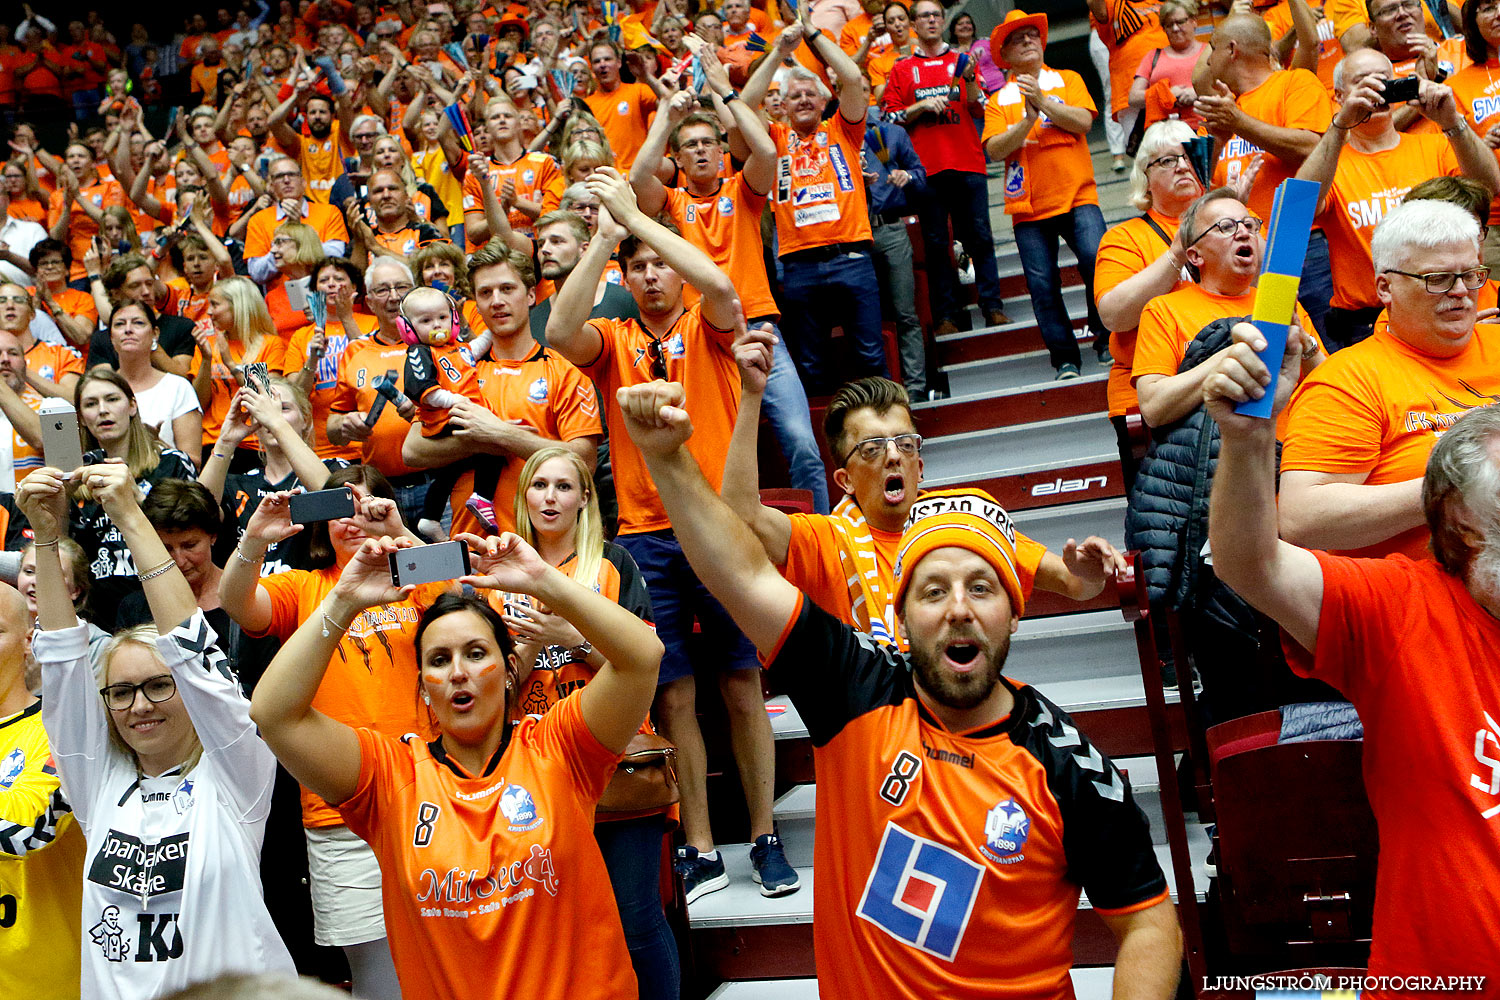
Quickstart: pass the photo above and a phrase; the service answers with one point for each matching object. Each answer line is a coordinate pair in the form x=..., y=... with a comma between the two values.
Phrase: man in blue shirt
x=892, y=169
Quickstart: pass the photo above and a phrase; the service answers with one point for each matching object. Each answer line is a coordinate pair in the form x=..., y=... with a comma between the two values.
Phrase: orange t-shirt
x=1476, y=88
x=1289, y=98
x=103, y=193
x=1170, y=322
x=225, y=385
x=626, y=114
x=1051, y=173
x=820, y=193
x=372, y=677
x=24, y=458
x=327, y=220
x=53, y=361
x=474, y=871
x=852, y=577
x=552, y=398
x=322, y=162
x=726, y=226
x=1378, y=408
x=537, y=178
x=1279, y=19
x=325, y=381
x=881, y=57
x=204, y=80
x=27, y=210
x=696, y=355
x=1365, y=187
x=76, y=303
x=1125, y=251
x=1345, y=14
x=182, y=302
x=1133, y=31
x=1451, y=57
x=365, y=361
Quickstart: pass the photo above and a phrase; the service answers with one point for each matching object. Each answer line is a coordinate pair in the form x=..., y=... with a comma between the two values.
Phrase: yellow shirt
x=41, y=868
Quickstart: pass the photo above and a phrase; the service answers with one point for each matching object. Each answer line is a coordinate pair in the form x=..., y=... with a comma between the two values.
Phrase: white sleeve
x=184, y=399
x=211, y=693
x=73, y=714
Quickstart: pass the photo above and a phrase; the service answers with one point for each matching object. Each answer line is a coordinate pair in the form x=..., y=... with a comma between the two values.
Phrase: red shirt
x=950, y=141
x=1431, y=755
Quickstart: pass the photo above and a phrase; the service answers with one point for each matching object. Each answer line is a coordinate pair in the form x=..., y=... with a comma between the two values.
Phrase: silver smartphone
x=429, y=563
x=61, y=447
x=296, y=293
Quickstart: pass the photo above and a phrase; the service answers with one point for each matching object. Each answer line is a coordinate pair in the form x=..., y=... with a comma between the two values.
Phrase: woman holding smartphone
x=367, y=676
x=112, y=429
x=165, y=773
x=315, y=352
x=557, y=513
x=238, y=332
x=513, y=804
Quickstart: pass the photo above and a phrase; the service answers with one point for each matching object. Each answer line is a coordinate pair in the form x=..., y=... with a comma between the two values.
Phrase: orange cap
x=965, y=518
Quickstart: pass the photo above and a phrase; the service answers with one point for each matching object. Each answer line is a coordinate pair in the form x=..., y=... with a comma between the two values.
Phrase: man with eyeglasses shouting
x=845, y=560
x=1222, y=244
x=1365, y=167
x=1358, y=433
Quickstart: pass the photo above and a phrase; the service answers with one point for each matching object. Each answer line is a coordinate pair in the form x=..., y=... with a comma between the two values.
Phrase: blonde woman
x=296, y=250
x=389, y=154
x=110, y=423
x=238, y=331
x=167, y=777
x=581, y=158
x=557, y=514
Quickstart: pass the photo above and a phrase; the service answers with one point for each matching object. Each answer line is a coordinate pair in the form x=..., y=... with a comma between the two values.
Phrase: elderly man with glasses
x=286, y=198
x=1358, y=433
x=1365, y=167
x=1222, y=246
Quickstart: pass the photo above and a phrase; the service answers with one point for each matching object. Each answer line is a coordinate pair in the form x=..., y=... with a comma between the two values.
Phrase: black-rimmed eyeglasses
x=119, y=697
x=1441, y=282
x=872, y=448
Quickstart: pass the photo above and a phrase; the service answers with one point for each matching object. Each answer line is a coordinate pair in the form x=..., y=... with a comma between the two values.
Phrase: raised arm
x=740, y=487
x=618, y=697
x=167, y=591
x=760, y=164
x=721, y=548
x=693, y=265
x=568, y=328
x=1276, y=577
x=650, y=192
x=754, y=93
x=851, y=84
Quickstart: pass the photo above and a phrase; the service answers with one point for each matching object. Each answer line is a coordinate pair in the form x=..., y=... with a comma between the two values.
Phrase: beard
x=959, y=691
x=1483, y=578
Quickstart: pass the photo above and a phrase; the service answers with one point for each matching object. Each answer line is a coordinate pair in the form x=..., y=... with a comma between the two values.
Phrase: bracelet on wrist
x=42, y=545
x=239, y=554
x=1455, y=130
x=155, y=571
x=328, y=620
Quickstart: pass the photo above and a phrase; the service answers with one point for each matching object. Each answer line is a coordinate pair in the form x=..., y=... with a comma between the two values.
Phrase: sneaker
x=431, y=530
x=945, y=328
x=1066, y=372
x=1211, y=863
x=1120, y=165
x=769, y=867
x=700, y=873
x=484, y=510
x=1102, y=353
x=996, y=317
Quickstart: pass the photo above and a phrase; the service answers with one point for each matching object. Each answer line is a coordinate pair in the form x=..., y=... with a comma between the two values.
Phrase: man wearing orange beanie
x=956, y=809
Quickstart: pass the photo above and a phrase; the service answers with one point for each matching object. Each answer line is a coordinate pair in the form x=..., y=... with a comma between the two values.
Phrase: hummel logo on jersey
x=921, y=893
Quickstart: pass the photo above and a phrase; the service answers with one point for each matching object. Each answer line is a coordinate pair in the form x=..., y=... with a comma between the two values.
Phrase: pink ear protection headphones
x=409, y=335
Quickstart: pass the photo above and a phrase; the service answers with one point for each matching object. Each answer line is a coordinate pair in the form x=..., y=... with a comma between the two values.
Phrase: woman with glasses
x=296, y=250
x=1142, y=258
x=1170, y=68
x=1222, y=246
x=166, y=774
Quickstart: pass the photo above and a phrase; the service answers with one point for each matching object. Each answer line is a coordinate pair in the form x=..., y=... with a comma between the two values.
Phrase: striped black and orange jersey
x=949, y=864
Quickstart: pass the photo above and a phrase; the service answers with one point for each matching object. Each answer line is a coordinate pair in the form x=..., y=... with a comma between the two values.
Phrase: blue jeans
x=1081, y=229
x=632, y=855
x=785, y=405
x=963, y=199
x=821, y=294
x=1315, y=291
x=409, y=500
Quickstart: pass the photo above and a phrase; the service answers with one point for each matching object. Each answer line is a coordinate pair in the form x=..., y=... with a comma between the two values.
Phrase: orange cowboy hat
x=1015, y=21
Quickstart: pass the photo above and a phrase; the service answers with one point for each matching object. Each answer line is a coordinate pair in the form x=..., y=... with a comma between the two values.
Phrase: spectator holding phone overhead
x=369, y=680
x=168, y=757
x=112, y=430
x=532, y=834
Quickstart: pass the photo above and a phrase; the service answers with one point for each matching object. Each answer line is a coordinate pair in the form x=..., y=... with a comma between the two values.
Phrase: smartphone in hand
x=429, y=563
x=62, y=448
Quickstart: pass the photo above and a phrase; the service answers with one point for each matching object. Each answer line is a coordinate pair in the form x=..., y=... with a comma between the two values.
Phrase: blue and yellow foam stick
x=1280, y=273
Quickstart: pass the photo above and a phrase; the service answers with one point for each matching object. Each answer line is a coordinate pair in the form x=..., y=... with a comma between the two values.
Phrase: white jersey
x=171, y=877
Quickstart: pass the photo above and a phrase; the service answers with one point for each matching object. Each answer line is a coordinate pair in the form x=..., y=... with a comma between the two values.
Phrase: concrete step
x=1088, y=984
x=1019, y=309
x=1050, y=400
x=1053, y=526
x=983, y=342
x=1079, y=648
x=972, y=378
x=999, y=450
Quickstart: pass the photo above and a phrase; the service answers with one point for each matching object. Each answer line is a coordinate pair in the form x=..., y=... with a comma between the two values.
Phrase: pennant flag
x=460, y=123
x=755, y=43
x=1200, y=151
x=700, y=78
x=1291, y=222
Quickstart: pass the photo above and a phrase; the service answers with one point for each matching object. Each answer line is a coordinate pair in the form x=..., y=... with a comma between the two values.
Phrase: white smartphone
x=61, y=446
x=296, y=293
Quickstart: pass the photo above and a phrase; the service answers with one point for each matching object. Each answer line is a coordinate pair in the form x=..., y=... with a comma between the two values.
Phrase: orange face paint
x=488, y=670
x=432, y=678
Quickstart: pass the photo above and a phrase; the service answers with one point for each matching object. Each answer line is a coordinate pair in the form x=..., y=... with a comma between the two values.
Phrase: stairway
x=1047, y=452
